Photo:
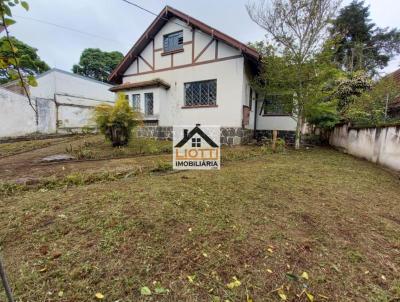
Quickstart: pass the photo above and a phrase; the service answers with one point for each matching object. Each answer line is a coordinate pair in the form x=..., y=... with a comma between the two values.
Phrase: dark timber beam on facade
x=159, y=22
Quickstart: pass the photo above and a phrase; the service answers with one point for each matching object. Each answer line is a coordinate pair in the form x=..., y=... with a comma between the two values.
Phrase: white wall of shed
x=60, y=82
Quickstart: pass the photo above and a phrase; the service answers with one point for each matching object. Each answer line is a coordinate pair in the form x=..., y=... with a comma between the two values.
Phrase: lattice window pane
x=148, y=103
x=136, y=102
x=202, y=93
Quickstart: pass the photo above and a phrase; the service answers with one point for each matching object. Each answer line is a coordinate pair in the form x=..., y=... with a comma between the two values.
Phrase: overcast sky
x=117, y=25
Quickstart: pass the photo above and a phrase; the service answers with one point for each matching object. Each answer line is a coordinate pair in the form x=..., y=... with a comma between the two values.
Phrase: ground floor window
x=278, y=105
x=148, y=103
x=201, y=93
x=136, y=102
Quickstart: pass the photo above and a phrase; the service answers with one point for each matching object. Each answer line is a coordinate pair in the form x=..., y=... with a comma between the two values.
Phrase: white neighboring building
x=183, y=72
x=64, y=102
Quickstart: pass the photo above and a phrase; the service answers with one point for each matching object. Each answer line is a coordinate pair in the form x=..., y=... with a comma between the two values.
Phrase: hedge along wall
x=380, y=145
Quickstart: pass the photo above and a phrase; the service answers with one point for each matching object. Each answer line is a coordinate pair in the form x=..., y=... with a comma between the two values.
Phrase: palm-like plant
x=117, y=122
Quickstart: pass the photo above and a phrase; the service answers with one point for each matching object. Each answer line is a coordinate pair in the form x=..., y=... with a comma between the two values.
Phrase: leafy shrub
x=117, y=122
x=267, y=147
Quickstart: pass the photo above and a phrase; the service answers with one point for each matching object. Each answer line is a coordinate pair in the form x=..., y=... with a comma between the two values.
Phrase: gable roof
x=196, y=130
x=167, y=13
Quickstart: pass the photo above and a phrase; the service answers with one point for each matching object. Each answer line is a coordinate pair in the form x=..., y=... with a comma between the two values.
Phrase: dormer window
x=173, y=41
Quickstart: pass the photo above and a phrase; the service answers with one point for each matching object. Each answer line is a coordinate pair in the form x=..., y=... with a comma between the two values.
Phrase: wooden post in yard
x=274, y=136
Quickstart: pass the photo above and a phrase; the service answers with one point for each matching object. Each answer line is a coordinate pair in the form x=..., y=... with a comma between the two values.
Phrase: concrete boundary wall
x=378, y=145
x=17, y=118
x=64, y=114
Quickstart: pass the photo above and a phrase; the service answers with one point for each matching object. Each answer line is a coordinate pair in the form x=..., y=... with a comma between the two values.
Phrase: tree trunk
x=118, y=135
x=299, y=125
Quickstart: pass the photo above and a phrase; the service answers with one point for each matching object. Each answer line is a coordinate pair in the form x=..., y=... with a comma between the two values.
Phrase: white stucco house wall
x=64, y=103
x=184, y=72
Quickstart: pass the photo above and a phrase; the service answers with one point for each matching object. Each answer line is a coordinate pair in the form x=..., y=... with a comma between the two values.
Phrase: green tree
x=97, y=64
x=28, y=60
x=297, y=28
x=370, y=108
x=363, y=45
x=279, y=78
x=351, y=86
x=11, y=64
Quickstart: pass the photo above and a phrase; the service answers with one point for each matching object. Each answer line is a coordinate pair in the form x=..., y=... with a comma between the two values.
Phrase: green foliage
x=28, y=61
x=370, y=107
x=262, y=47
x=323, y=115
x=97, y=64
x=117, y=122
x=267, y=147
x=363, y=45
x=17, y=59
x=350, y=87
x=315, y=80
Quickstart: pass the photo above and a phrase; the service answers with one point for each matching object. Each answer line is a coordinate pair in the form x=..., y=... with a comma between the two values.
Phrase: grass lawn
x=7, y=149
x=245, y=233
x=96, y=147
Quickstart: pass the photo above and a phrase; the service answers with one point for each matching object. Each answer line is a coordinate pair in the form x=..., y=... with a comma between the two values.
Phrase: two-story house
x=184, y=72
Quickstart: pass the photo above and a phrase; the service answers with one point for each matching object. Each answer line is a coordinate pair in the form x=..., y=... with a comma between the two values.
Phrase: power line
x=164, y=18
x=67, y=28
x=154, y=14
x=140, y=7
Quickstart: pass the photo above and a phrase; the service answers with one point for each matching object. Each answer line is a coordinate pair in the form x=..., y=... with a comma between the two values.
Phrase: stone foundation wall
x=229, y=136
x=236, y=136
x=287, y=136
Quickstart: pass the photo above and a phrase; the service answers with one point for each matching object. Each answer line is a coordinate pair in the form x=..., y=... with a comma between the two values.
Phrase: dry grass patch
x=97, y=147
x=263, y=220
x=8, y=149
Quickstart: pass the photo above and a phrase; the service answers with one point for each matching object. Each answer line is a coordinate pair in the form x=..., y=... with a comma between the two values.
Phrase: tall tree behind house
x=363, y=45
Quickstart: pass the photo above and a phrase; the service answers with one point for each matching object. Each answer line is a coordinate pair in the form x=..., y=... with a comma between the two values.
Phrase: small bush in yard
x=280, y=146
x=117, y=122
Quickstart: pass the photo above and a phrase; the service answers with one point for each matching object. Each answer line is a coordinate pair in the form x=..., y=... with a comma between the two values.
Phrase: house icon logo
x=196, y=147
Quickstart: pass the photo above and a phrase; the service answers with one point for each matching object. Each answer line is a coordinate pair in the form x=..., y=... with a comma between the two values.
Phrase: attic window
x=173, y=41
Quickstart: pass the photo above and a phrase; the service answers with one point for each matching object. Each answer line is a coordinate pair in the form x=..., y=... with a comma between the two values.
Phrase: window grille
x=203, y=93
x=148, y=104
x=278, y=105
x=136, y=102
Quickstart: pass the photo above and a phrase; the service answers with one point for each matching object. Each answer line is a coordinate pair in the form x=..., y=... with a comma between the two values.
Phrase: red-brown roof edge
x=138, y=85
x=159, y=21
